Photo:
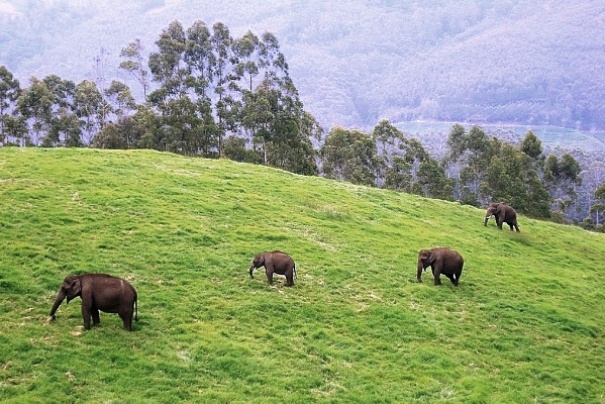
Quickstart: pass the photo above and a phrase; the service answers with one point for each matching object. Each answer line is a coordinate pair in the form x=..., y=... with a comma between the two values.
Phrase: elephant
x=503, y=214
x=99, y=292
x=275, y=262
x=442, y=260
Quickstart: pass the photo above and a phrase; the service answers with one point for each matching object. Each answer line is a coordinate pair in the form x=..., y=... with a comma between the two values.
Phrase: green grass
x=526, y=323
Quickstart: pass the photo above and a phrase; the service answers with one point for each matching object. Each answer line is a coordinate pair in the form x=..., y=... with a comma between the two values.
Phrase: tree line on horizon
x=208, y=94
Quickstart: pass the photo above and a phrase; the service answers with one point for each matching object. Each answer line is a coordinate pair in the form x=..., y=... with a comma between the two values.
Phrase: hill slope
x=355, y=62
x=357, y=327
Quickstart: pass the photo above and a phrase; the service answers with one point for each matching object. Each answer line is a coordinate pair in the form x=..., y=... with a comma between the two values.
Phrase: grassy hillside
x=525, y=324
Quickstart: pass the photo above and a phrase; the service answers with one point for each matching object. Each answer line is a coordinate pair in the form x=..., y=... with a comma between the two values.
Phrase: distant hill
x=354, y=62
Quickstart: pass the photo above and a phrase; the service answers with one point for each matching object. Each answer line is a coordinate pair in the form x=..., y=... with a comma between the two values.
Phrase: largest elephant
x=99, y=292
x=503, y=214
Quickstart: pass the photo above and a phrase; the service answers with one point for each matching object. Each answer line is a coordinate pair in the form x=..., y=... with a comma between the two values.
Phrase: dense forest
x=356, y=62
x=207, y=93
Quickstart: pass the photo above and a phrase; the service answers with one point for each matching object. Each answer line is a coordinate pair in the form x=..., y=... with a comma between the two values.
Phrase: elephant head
x=70, y=289
x=492, y=210
x=425, y=258
x=257, y=262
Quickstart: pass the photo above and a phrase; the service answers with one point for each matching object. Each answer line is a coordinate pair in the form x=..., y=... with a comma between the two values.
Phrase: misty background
x=524, y=62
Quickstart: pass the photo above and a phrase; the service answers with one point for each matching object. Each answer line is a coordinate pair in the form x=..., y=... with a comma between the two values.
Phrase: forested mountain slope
x=354, y=62
x=356, y=327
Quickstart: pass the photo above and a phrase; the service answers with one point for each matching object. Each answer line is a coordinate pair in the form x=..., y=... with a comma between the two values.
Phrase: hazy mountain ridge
x=355, y=62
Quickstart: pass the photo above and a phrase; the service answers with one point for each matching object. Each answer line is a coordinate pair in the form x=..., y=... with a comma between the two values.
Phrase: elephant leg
x=270, y=276
x=289, y=278
x=451, y=277
x=436, y=274
x=516, y=227
x=458, y=274
x=456, y=277
x=126, y=317
x=86, y=315
x=95, y=316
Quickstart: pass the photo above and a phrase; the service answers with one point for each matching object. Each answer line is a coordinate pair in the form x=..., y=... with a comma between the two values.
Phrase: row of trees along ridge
x=209, y=94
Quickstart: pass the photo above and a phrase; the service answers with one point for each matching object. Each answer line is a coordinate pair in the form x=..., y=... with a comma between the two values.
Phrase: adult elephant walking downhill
x=503, y=214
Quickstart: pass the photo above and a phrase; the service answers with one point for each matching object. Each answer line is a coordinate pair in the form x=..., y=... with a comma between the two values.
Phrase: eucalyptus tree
x=120, y=98
x=171, y=98
x=247, y=51
x=598, y=206
x=183, y=67
x=270, y=112
x=35, y=105
x=473, y=151
x=407, y=166
x=90, y=106
x=134, y=64
x=65, y=128
x=290, y=131
x=562, y=179
x=124, y=134
x=225, y=105
x=9, y=91
x=350, y=155
x=495, y=170
x=434, y=180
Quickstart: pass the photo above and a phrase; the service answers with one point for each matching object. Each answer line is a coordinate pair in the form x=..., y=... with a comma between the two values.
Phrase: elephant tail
x=136, y=310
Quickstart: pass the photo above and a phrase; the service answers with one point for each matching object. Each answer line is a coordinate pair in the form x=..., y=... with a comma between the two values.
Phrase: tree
x=473, y=151
x=90, y=108
x=9, y=92
x=246, y=50
x=280, y=128
x=235, y=149
x=531, y=145
x=134, y=64
x=104, y=108
x=120, y=98
x=224, y=104
x=433, y=179
x=598, y=207
x=124, y=134
x=35, y=105
x=65, y=128
x=349, y=155
x=183, y=66
x=561, y=178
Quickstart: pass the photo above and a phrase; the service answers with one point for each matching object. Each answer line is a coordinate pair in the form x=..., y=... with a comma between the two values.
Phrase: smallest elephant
x=503, y=214
x=275, y=262
x=442, y=260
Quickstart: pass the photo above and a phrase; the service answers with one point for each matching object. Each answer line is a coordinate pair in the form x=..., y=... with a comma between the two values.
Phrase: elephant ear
x=259, y=260
x=73, y=287
x=432, y=257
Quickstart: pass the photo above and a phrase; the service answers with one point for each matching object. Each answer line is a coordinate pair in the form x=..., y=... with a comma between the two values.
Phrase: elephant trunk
x=252, y=268
x=486, y=219
x=420, y=268
x=58, y=301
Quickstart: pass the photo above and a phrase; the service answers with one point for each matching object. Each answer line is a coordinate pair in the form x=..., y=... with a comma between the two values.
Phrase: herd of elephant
x=110, y=294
